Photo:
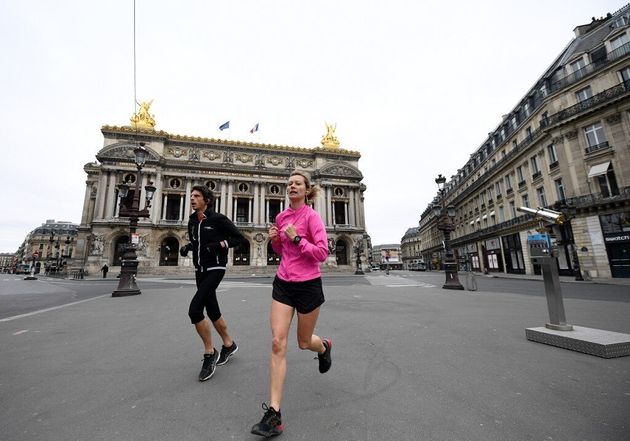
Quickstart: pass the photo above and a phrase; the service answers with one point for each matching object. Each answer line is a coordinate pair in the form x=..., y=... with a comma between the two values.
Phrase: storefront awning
x=599, y=169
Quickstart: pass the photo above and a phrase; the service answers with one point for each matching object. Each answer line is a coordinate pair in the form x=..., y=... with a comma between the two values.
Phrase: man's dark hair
x=206, y=193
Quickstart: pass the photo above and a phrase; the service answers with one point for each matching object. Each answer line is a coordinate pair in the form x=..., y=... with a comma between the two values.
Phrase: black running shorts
x=304, y=296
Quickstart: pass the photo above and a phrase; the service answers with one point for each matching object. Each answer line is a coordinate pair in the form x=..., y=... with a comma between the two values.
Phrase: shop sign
x=618, y=237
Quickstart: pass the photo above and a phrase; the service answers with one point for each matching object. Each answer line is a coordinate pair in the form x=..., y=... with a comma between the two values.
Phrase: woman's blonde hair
x=312, y=191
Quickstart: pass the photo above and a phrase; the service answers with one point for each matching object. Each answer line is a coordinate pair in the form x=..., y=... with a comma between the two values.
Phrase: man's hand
x=290, y=231
x=273, y=233
x=183, y=251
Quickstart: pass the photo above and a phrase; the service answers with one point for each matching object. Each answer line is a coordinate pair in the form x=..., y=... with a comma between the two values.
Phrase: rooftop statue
x=330, y=140
x=143, y=119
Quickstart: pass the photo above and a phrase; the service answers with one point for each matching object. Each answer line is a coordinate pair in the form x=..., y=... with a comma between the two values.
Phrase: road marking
x=20, y=332
x=28, y=314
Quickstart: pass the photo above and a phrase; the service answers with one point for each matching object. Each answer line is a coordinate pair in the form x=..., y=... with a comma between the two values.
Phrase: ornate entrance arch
x=169, y=252
x=119, y=249
x=341, y=252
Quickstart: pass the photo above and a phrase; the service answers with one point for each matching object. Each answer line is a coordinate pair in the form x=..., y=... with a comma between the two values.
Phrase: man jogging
x=211, y=234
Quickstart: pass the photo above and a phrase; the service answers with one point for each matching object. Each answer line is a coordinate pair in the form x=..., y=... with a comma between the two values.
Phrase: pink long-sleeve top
x=301, y=262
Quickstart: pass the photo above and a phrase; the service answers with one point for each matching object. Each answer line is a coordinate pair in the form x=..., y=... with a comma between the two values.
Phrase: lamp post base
x=129, y=268
x=359, y=272
x=126, y=292
x=453, y=286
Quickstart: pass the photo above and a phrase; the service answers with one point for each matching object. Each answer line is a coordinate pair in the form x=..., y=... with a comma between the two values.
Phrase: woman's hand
x=290, y=231
x=273, y=233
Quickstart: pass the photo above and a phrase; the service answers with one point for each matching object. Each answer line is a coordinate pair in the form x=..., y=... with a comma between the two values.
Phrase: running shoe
x=226, y=353
x=270, y=425
x=209, y=365
x=324, y=359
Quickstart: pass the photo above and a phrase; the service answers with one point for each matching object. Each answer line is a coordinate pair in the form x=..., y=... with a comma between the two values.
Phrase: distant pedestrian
x=211, y=234
x=299, y=237
x=104, y=269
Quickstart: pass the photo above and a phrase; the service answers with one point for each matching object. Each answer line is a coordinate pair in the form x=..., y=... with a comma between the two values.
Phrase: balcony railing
x=603, y=97
x=590, y=68
x=597, y=147
x=590, y=200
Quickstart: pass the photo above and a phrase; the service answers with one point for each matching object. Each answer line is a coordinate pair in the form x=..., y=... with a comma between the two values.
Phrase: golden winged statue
x=330, y=140
x=143, y=119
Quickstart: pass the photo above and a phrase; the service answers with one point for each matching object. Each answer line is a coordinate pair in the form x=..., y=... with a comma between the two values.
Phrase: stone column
x=328, y=205
x=101, y=194
x=164, y=206
x=187, y=201
x=111, y=196
x=223, y=208
x=181, y=207
x=332, y=209
x=143, y=198
x=86, y=202
x=157, y=198
x=264, y=204
x=352, y=212
x=229, y=200
x=250, y=212
x=256, y=213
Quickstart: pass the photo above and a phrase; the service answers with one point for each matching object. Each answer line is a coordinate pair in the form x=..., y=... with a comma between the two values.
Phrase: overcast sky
x=414, y=86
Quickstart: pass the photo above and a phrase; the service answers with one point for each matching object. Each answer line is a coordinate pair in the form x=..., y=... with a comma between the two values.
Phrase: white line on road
x=20, y=332
x=28, y=314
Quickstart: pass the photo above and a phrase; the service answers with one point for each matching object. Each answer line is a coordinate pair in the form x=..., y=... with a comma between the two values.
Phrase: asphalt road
x=411, y=361
x=18, y=296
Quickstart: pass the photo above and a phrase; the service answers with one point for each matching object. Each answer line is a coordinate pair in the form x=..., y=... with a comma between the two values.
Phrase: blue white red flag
x=254, y=129
x=225, y=125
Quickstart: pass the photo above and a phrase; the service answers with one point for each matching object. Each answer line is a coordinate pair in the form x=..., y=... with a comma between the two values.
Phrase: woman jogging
x=211, y=234
x=299, y=237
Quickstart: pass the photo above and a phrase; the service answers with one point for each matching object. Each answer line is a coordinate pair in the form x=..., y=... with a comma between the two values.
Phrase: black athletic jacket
x=205, y=238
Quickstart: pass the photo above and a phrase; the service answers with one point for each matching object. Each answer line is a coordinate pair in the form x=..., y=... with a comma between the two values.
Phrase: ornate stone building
x=49, y=248
x=247, y=179
x=564, y=146
x=411, y=250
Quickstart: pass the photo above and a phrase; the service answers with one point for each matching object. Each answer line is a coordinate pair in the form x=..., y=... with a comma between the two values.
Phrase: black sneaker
x=270, y=425
x=324, y=359
x=226, y=353
x=209, y=365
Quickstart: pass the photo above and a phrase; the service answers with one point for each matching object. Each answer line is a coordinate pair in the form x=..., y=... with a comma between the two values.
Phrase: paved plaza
x=411, y=361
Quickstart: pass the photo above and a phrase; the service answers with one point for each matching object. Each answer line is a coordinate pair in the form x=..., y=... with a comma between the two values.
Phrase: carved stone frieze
x=274, y=160
x=614, y=119
x=571, y=134
x=211, y=155
x=228, y=157
x=340, y=170
x=289, y=162
x=304, y=163
x=244, y=158
x=177, y=152
x=194, y=155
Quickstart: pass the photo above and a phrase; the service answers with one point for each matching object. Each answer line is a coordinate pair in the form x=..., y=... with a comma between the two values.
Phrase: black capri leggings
x=206, y=296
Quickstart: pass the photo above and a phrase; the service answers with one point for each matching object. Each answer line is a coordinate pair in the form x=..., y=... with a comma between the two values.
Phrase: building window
x=340, y=212
x=526, y=110
x=608, y=184
x=497, y=189
x=576, y=68
x=535, y=169
x=500, y=216
x=173, y=205
x=519, y=176
x=525, y=199
x=584, y=94
x=595, y=136
x=616, y=43
x=513, y=209
x=540, y=194
x=528, y=132
x=508, y=183
x=559, y=189
x=625, y=74
x=553, y=155
x=275, y=207
x=242, y=210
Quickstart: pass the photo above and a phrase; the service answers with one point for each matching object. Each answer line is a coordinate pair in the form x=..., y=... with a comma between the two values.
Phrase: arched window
x=341, y=252
x=272, y=257
x=241, y=254
x=119, y=249
x=169, y=252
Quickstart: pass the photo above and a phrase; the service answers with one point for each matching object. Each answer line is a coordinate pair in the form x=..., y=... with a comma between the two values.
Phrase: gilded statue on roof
x=330, y=140
x=143, y=119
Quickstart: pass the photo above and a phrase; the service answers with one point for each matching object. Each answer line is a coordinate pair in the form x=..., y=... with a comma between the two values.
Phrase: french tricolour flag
x=225, y=125
x=254, y=129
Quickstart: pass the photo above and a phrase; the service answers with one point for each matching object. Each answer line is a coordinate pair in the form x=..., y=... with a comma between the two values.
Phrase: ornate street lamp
x=129, y=266
x=445, y=215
